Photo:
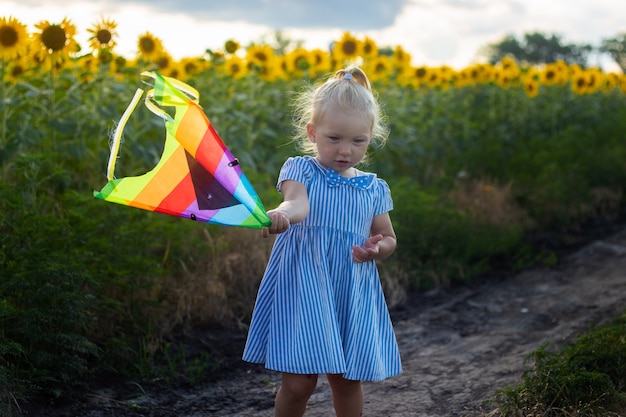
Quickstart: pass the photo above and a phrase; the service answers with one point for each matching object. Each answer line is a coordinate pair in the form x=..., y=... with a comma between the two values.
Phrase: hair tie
x=347, y=76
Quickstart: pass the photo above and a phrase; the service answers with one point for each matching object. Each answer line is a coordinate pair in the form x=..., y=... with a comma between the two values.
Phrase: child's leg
x=293, y=394
x=347, y=396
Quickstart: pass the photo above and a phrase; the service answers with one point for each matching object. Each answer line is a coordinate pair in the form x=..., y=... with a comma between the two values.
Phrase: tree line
x=535, y=48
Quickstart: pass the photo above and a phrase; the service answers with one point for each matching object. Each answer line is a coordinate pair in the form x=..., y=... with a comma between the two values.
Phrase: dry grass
x=220, y=289
x=603, y=203
x=488, y=203
x=606, y=202
x=395, y=282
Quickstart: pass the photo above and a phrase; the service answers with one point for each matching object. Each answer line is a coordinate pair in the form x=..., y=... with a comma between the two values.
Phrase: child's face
x=341, y=137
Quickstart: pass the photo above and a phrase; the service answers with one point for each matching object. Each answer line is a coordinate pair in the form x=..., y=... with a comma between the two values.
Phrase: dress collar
x=362, y=181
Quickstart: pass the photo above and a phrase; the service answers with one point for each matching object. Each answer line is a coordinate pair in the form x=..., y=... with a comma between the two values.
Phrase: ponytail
x=355, y=74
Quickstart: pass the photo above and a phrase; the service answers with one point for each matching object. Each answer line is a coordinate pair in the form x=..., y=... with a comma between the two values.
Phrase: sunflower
x=194, y=66
x=533, y=73
x=321, y=61
x=118, y=65
x=56, y=40
x=595, y=79
x=502, y=77
x=280, y=67
x=622, y=83
x=462, y=78
x=473, y=73
x=271, y=72
x=579, y=83
x=16, y=69
x=56, y=62
x=231, y=46
x=150, y=47
x=486, y=73
x=507, y=72
x=508, y=63
x=401, y=58
x=87, y=66
x=436, y=77
x=531, y=87
x=260, y=55
x=574, y=68
x=235, y=67
x=407, y=77
x=217, y=57
x=164, y=62
x=552, y=74
x=369, y=48
x=187, y=68
x=379, y=68
x=348, y=48
x=299, y=62
x=564, y=71
x=13, y=38
x=446, y=76
x=420, y=75
x=103, y=34
x=611, y=81
x=105, y=56
x=174, y=70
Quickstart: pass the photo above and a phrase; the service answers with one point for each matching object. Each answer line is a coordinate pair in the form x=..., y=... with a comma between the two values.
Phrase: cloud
x=278, y=14
x=442, y=48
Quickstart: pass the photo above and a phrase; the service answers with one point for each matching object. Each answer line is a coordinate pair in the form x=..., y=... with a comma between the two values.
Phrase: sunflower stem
x=51, y=107
x=5, y=113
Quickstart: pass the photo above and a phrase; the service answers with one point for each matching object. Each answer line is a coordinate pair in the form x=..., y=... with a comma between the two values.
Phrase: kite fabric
x=197, y=177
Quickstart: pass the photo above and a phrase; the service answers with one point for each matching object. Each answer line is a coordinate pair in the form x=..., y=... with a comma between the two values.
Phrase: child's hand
x=280, y=223
x=368, y=251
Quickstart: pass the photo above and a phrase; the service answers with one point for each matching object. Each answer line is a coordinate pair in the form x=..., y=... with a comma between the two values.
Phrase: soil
x=458, y=347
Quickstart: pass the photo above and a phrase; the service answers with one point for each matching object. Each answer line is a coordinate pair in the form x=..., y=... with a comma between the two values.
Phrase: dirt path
x=457, y=348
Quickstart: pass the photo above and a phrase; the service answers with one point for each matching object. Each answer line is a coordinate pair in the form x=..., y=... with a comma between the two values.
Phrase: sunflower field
x=481, y=160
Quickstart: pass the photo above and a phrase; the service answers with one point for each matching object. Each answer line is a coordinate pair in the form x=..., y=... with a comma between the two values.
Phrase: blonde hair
x=349, y=88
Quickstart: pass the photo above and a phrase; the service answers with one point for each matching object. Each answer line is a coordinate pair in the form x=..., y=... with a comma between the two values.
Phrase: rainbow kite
x=197, y=176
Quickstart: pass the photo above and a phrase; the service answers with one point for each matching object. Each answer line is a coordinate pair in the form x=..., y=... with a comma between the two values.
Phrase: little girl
x=320, y=307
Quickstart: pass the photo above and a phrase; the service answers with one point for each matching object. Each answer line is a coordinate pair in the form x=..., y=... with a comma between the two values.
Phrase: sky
x=434, y=32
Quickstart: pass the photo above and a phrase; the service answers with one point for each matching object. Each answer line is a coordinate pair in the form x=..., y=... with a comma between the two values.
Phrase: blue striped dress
x=317, y=311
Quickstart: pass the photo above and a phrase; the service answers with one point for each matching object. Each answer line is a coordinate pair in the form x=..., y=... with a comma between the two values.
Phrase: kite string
x=117, y=135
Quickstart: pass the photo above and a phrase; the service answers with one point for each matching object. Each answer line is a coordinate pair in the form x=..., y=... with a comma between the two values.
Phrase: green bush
x=79, y=280
x=439, y=244
x=44, y=309
x=556, y=150
x=587, y=377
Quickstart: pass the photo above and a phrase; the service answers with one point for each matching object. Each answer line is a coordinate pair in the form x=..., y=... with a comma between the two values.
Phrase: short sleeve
x=383, y=202
x=295, y=169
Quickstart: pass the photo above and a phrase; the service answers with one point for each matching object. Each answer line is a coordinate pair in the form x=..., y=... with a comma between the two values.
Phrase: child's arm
x=380, y=244
x=293, y=209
